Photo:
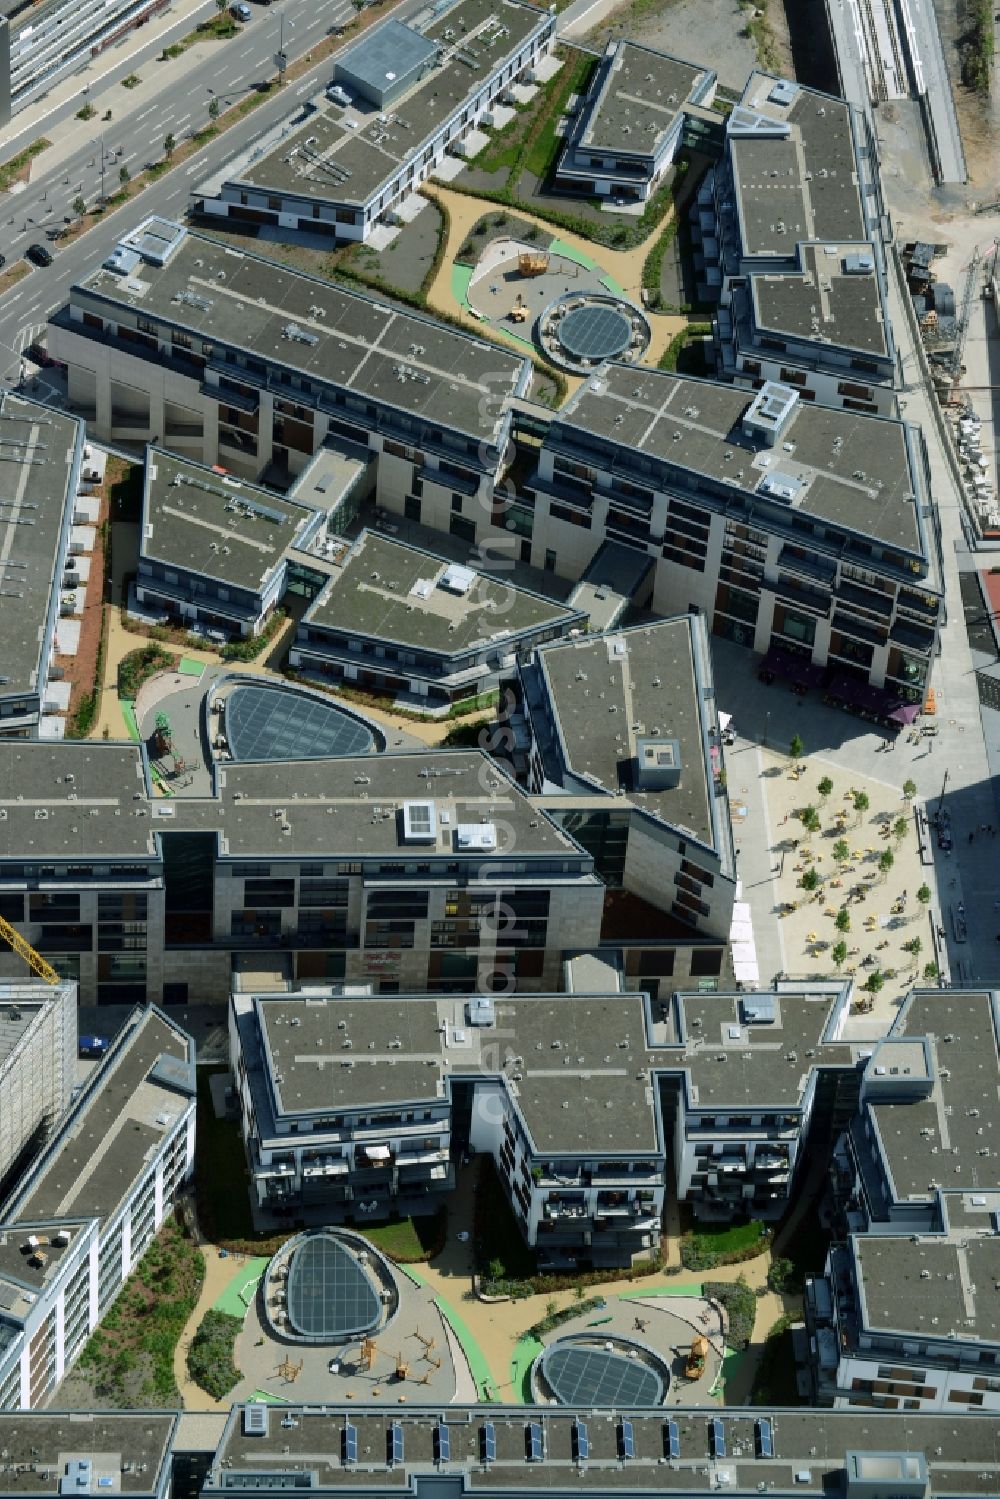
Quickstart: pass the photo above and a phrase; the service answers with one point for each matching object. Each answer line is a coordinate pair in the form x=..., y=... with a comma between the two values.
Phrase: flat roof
x=326, y=161
x=68, y=801
x=383, y=54
x=130, y=1452
x=755, y=1064
x=102, y=1146
x=345, y=807
x=601, y=687
x=825, y=303
x=930, y=1286
x=938, y=1139
x=38, y=456
x=352, y=808
x=853, y=470
x=802, y=185
x=810, y=1447
x=579, y=1067
x=320, y=330
x=18, y=1016
x=221, y=526
x=388, y=590
x=641, y=95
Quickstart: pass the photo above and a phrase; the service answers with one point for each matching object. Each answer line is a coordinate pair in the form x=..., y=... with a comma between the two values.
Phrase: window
x=411, y=507
x=706, y=962
x=456, y=504
x=550, y=560
x=464, y=529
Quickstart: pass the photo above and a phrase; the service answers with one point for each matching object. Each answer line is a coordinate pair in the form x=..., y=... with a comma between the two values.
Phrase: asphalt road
x=229, y=74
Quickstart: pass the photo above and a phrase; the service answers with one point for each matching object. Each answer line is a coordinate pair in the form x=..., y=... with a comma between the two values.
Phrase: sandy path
x=218, y=1274
x=625, y=266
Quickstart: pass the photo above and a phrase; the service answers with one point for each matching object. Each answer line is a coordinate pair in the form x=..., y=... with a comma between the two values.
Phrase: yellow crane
x=24, y=950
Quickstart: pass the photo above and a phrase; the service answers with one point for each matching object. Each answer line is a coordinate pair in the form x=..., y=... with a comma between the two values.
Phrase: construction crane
x=24, y=950
x=962, y=326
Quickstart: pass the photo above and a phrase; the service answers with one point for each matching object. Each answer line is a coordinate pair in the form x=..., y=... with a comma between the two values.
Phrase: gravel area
x=700, y=30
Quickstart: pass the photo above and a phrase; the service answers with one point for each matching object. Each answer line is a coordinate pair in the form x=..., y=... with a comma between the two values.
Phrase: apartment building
x=592, y=1106
x=37, y=511
x=617, y=738
x=497, y=1449
x=216, y=552
x=406, y=95
x=415, y=870
x=81, y=1217
x=797, y=530
x=358, y=1106
x=764, y=1075
x=790, y=236
x=46, y=41
x=132, y=1453
x=397, y=618
x=236, y=361
x=625, y=134
x=903, y=1317
x=37, y=1068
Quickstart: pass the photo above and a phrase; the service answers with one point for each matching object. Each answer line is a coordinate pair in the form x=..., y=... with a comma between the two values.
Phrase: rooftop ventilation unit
x=480, y=836
x=658, y=763
x=418, y=822
x=457, y=579
x=255, y=1419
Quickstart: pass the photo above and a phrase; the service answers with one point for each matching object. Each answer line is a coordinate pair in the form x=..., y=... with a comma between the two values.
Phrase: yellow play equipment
x=518, y=312
x=533, y=263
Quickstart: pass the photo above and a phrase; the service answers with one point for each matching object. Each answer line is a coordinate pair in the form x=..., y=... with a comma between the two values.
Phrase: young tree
x=168, y=145
x=924, y=895
x=842, y=920
x=825, y=787
x=79, y=207
x=874, y=982
x=900, y=828
x=796, y=748
x=124, y=176
x=810, y=820
x=909, y=789
x=914, y=947
x=839, y=954
x=841, y=850
x=861, y=804
x=886, y=860
x=213, y=109
x=810, y=880
x=930, y=971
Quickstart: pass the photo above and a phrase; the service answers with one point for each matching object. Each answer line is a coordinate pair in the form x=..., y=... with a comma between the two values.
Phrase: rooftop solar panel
x=330, y=1295
x=581, y=1374
x=595, y=332
x=717, y=1438
x=671, y=1439
x=763, y=1437
x=273, y=723
x=394, y=1443
x=442, y=1443
x=533, y=1442
x=626, y=1440
x=580, y=1441
x=349, y=1443
x=487, y=1442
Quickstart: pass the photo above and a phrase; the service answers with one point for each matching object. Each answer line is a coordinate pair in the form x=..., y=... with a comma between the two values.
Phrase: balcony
x=819, y=568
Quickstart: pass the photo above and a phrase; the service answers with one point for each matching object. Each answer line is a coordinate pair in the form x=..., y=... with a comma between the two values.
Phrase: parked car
x=240, y=12
x=93, y=1046
x=39, y=254
x=3, y=261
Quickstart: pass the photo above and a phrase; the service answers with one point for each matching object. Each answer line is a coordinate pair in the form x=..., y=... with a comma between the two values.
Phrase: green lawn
x=410, y=1240
x=710, y=1244
x=545, y=148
